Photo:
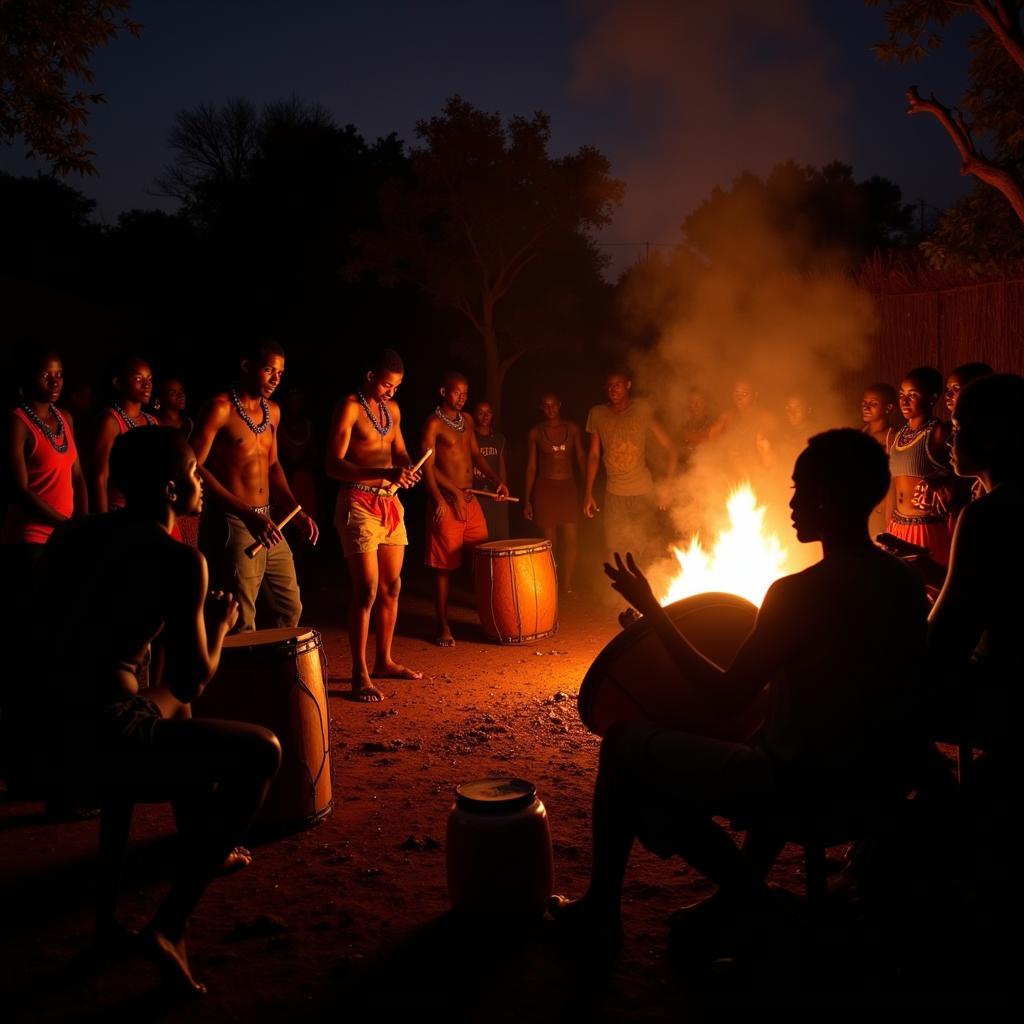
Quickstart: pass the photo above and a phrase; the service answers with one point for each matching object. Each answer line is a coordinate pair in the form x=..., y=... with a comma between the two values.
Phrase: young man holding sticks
x=454, y=519
x=367, y=453
x=235, y=441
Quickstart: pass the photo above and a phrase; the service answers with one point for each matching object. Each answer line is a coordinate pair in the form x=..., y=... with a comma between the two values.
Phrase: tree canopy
x=45, y=52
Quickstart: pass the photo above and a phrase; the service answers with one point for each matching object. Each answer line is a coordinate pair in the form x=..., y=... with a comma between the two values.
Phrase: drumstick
x=415, y=469
x=252, y=550
x=490, y=494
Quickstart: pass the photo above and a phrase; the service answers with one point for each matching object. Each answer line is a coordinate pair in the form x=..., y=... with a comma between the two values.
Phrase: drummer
x=837, y=733
x=119, y=746
x=366, y=452
x=454, y=519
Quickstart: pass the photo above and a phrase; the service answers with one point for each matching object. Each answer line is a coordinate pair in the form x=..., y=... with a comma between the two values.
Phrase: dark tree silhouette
x=45, y=50
x=485, y=202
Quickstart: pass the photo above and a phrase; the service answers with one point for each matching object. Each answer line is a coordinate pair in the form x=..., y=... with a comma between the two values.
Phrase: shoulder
x=217, y=409
x=596, y=413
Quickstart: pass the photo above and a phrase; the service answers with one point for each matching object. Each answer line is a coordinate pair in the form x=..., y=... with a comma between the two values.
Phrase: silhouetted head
x=154, y=468
x=988, y=427
x=960, y=377
x=173, y=395
x=262, y=367
x=838, y=479
x=617, y=384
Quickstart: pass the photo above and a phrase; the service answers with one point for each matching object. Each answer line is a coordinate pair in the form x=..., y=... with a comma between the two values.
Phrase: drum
x=634, y=677
x=516, y=590
x=277, y=678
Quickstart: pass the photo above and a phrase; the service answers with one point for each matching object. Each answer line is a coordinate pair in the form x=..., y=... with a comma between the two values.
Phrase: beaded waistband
x=352, y=485
x=925, y=520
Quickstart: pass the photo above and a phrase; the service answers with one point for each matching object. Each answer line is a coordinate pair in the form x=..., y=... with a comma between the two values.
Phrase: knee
x=390, y=589
x=265, y=754
x=363, y=595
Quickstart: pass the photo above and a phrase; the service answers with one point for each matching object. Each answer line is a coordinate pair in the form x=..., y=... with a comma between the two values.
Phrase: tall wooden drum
x=634, y=678
x=516, y=590
x=277, y=678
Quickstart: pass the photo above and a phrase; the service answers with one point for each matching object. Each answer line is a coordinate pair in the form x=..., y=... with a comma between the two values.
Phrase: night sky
x=678, y=101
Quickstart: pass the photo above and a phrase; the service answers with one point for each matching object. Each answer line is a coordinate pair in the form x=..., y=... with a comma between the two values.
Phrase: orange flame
x=745, y=559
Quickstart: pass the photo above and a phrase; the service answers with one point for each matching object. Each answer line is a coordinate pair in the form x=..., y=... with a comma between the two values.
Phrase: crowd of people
x=948, y=492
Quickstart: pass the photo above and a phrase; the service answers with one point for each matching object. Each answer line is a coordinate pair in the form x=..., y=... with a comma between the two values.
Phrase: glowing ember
x=744, y=560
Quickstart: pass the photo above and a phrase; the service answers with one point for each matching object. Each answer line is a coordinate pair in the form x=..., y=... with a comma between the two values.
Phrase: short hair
x=387, y=360
x=31, y=360
x=260, y=346
x=990, y=408
x=125, y=361
x=451, y=377
x=884, y=391
x=619, y=370
x=968, y=372
x=928, y=379
x=852, y=467
x=143, y=461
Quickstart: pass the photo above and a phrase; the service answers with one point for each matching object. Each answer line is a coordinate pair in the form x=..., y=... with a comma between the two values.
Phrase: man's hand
x=528, y=511
x=221, y=609
x=590, y=506
x=262, y=528
x=501, y=491
x=402, y=476
x=631, y=583
x=440, y=510
x=312, y=530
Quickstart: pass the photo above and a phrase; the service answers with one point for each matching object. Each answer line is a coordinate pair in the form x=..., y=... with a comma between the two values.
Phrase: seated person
x=119, y=744
x=974, y=641
x=838, y=734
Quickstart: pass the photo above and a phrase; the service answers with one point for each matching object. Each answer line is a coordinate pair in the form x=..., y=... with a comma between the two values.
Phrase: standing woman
x=919, y=463
x=46, y=482
x=173, y=400
x=877, y=408
x=133, y=388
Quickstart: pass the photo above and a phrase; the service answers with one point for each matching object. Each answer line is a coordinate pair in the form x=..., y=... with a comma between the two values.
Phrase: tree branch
x=973, y=162
x=510, y=360
x=1005, y=27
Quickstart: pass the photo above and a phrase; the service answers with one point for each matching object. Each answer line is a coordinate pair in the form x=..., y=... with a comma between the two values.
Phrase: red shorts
x=931, y=533
x=447, y=538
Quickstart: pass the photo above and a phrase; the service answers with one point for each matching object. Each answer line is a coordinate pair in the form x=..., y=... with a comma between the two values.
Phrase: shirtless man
x=454, y=519
x=838, y=733
x=551, y=500
x=235, y=441
x=618, y=433
x=366, y=452
x=124, y=747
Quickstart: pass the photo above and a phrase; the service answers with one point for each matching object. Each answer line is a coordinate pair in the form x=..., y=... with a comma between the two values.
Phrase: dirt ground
x=351, y=917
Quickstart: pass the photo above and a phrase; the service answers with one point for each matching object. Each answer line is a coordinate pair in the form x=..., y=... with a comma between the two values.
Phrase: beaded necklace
x=384, y=424
x=905, y=438
x=129, y=422
x=458, y=425
x=246, y=418
x=58, y=438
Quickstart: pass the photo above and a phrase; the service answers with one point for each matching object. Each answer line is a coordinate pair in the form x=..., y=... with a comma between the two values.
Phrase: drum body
x=516, y=590
x=634, y=678
x=277, y=678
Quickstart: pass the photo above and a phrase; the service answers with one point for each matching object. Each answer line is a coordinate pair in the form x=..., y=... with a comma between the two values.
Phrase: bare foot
x=392, y=670
x=363, y=689
x=238, y=858
x=445, y=639
x=171, y=960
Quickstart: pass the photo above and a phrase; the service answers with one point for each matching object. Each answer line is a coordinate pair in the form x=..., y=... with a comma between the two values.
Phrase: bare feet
x=392, y=670
x=238, y=858
x=363, y=688
x=171, y=960
x=444, y=638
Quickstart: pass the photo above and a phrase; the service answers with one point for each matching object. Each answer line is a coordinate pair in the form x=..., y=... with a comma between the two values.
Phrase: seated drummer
x=974, y=642
x=123, y=746
x=837, y=733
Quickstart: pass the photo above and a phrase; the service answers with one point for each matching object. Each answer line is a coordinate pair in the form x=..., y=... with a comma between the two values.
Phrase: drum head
x=523, y=546
x=268, y=637
x=634, y=677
